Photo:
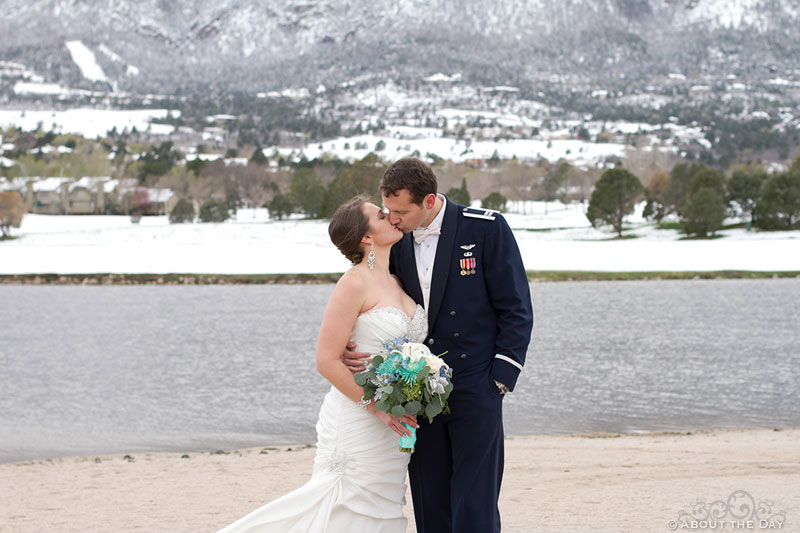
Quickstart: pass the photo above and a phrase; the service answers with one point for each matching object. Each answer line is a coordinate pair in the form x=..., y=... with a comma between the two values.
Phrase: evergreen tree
x=157, y=161
x=460, y=195
x=702, y=177
x=280, y=206
x=613, y=198
x=678, y=186
x=703, y=212
x=744, y=188
x=182, y=212
x=360, y=178
x=196, y=165
x=779, y=205
x=495, y=201
x=258, y=156
x=704, y=206
x=307, y=192
x=214, y=211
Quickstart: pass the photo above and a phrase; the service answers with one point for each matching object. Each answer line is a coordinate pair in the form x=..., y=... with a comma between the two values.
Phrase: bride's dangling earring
x=371, y=257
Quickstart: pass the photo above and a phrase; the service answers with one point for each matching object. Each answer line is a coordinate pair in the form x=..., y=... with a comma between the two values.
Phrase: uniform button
x=430, y=341
x=452, y=313
x=463, y=356
x=456, y=334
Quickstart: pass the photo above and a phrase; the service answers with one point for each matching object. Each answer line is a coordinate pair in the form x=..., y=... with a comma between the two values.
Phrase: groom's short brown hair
x=411, y=174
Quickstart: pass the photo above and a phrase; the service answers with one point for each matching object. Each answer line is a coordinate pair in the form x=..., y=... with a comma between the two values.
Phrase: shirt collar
x=440, y=217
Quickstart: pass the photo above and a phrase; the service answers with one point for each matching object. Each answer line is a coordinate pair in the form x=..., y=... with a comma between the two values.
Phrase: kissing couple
x=433, y=272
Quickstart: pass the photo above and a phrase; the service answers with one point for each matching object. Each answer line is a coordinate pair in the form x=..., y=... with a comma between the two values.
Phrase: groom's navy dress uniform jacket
x=482, y=320
x=480, y=314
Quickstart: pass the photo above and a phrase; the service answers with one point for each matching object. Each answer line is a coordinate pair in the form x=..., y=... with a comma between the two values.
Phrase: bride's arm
x=343, y=308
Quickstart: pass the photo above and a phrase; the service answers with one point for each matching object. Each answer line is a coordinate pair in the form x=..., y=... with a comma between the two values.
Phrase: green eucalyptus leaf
x=361, y=379
x=398, y=410
x=413, y=408
x=432, y=409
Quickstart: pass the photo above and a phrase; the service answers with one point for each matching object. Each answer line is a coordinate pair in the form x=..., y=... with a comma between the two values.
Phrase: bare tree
x=12, y=209
x=521, y=181
x=644, y=163
x=255, y=187
x=201, y=189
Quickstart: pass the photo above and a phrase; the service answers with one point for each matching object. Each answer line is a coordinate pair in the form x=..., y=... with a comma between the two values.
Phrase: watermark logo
x=739, y=511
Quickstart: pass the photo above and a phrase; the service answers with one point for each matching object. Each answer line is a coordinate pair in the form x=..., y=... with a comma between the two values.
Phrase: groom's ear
x=429, y=201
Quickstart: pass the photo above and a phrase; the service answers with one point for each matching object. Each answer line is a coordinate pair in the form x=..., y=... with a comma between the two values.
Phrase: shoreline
x=295, y=446
x=107, y=279
x=583, y=482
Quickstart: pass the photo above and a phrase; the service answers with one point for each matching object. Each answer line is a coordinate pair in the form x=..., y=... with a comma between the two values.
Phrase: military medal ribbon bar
x=467, y=266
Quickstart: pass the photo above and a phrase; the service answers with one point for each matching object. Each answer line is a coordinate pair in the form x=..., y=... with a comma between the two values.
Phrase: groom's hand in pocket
x=353, y=360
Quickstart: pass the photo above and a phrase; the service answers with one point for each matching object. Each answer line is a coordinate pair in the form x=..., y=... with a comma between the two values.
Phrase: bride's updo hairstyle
x=348, y=226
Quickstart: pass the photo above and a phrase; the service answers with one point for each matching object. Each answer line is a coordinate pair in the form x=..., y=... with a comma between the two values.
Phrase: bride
x=358, y=480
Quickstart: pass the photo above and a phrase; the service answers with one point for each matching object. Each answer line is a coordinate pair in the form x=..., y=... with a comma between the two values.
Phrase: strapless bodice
x=373, y=328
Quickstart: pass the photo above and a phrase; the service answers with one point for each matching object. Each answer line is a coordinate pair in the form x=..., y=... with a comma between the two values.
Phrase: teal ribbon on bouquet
x=407, y=442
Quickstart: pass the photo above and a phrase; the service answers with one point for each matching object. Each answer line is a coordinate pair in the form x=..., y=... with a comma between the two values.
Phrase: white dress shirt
x=425, y=253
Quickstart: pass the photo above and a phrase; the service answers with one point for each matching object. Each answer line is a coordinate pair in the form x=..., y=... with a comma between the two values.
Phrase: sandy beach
x=604, y=482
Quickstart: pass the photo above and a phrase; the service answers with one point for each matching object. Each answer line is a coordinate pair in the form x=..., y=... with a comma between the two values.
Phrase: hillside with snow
x=150, y=45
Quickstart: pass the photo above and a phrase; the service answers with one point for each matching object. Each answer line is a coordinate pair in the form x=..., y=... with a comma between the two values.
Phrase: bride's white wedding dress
x=358, y=481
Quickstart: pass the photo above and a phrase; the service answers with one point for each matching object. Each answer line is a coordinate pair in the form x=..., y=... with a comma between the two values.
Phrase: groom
x=463, y=265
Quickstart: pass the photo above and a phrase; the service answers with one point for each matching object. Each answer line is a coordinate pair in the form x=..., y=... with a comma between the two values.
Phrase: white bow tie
x=420, y=234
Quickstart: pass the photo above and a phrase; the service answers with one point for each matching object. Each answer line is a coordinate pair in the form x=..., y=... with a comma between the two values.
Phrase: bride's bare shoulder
x=348, y=296
x=352, y=282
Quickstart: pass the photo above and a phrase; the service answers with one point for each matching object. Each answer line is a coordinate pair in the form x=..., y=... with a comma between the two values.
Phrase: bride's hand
x=396, y=423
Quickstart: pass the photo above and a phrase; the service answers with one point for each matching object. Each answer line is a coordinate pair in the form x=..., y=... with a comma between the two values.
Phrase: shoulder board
x=485, y=214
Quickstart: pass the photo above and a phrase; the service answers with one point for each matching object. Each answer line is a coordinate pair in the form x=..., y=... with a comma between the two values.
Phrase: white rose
x=434, y=362
x=415, y=351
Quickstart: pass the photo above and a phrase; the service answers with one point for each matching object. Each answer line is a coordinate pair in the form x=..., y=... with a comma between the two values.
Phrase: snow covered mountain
x=182, y=45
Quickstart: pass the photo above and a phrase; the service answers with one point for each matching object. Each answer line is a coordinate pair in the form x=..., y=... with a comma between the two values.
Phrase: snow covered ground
x=407, y=140
x=562, y=239
x=90, y=123
x=86, y=61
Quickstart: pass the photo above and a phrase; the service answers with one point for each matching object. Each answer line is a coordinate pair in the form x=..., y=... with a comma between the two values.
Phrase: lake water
x=96, y=370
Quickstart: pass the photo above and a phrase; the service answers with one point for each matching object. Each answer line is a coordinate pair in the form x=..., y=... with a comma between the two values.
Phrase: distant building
x=160, y=201
x=90, y=195
x=700, y=92
x=87, y=196
x=48, y=196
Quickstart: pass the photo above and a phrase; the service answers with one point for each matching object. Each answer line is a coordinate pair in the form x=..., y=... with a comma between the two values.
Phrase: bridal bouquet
x=407, y=379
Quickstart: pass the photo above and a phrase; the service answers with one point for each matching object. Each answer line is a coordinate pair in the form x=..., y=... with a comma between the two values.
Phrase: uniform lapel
x=441, y=264
x=408, y=267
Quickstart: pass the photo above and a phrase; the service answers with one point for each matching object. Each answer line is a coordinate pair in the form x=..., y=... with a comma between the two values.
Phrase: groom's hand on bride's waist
x=354, y=361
